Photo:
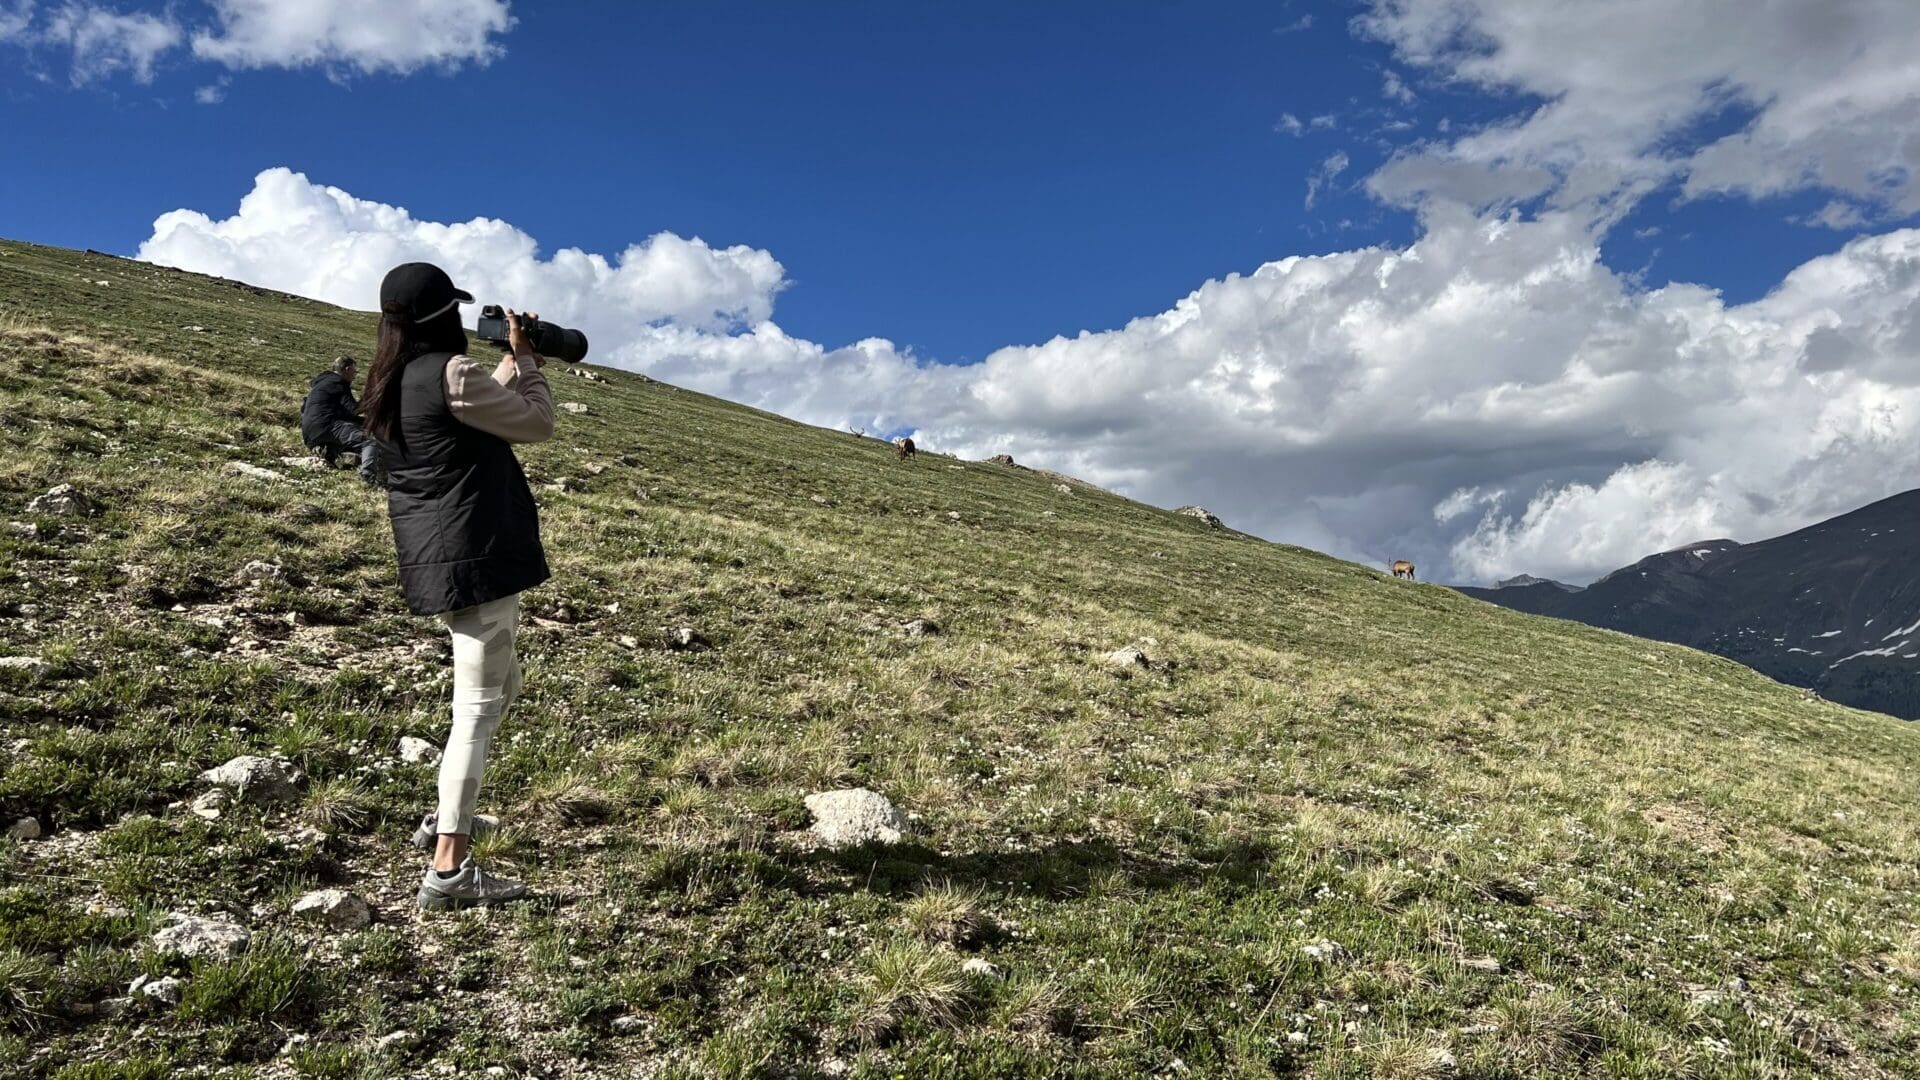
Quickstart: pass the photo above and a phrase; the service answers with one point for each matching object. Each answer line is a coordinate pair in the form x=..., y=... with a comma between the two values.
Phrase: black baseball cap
x=418, y=292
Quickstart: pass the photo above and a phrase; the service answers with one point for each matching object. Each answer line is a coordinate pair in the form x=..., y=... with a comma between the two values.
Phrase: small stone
x=628, y=1024
x=249, y=469
x=165, y=991
x=1481, y=963
x=294, y=1042
x=261, y=570
x=190, y=936
x=1127, y=658
x=1321, y=950
x=258, y=779
x=62, y=500
x=1064, y=489
x=307, y=462
x=415, y=751
x=34, y=666
x=1205, y=515
x=594, y=468
x=1479, y=1029
x=684, y=639
x=854, y=816
x=574, y=407
x=393, y=1041
x=920, y=627
x=835, y=1067
x=953, y=515
x=194, y=328
x=820, y=500
x=335, y=909
x=210, y=805
x=982, y=968
x=25, y=829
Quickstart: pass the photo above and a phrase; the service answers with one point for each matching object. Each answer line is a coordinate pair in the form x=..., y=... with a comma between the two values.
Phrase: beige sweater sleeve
x=511, y=401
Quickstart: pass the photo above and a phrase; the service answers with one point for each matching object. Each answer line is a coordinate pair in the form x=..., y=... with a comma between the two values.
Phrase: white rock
x=25, y=829
x=195, y=935
x=983, y=968
x=335, y=909
x=393, y=1040
x=256, y=472
x=1481, y=963
x=61, y=500
x=262, y=570
x=1203, y=514
x=258, y=779
x=628, y=1024
x=418, y=751
x=854, y=816
x=1129, y=657
x=306, y=461
x=1064, y=489
x=211, y=804
x=166, y=991
x=573, y=407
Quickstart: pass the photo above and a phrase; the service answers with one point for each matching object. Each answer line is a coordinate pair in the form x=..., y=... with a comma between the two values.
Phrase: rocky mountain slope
x=1160, y=799
x=1834, y=607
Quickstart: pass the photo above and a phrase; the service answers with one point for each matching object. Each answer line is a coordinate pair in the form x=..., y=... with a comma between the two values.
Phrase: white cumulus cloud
x=1490, y=399
x=1822, y=94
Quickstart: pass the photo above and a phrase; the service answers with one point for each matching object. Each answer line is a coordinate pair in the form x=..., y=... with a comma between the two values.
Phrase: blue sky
x=953, y=179
x=1502, y=286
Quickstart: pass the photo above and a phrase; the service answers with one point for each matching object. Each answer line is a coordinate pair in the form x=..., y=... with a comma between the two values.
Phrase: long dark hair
x=402, y=341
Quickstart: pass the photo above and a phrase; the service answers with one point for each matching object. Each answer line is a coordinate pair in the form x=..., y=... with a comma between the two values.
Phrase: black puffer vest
x=464, y=522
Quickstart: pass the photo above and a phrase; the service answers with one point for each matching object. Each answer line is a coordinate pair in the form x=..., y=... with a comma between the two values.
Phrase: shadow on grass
x=1056, y=871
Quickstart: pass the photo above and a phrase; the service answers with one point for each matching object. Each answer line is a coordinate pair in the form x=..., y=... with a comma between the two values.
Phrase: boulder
x=190, y=936
x=32, y=665
x=63, y=500
x=418, y=751
x=25, y=829
x=1127, y=658
x=258, y=779
x=1001, y=459
x=1204, y=515
x=854, y=816
x=335, y=909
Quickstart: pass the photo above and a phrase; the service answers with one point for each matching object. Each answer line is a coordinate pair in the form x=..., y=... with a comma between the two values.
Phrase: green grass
x=1344, y=826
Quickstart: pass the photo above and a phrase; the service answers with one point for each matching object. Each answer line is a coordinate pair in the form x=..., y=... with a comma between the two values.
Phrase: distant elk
x=905, y=446
x=1403, y=568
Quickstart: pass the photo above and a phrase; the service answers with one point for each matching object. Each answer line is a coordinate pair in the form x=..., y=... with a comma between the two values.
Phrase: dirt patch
x=1688, y=824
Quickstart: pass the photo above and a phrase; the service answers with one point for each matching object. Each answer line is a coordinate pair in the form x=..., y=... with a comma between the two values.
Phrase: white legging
x=486, y=679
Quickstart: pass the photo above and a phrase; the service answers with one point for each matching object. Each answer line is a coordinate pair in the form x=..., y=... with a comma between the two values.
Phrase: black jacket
x=329, y=401
x=465, y=527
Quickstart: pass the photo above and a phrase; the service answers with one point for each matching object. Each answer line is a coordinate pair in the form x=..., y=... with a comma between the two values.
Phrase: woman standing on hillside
x=465, y=529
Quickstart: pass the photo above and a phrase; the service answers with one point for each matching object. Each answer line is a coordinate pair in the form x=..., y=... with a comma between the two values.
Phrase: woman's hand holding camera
x=517, y=338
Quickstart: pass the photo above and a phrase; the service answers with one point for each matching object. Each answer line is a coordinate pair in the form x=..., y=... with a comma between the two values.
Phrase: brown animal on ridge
x=905, y=446
x=1403, y=568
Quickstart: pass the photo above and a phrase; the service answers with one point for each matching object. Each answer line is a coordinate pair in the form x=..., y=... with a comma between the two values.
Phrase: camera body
x=550, y=341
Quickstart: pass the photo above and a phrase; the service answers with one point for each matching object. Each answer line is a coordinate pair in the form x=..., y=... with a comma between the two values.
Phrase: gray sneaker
x=470, y=886
x=427, y=836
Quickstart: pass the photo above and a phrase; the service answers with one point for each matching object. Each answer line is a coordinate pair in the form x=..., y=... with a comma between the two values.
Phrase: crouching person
x=466, y=532
x=330, y=421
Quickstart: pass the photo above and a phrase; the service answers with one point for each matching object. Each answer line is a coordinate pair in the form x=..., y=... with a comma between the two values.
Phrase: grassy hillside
x=1343, y=826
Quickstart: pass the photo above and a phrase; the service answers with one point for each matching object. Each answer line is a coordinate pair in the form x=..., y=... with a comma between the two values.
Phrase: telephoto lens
x=558, y=342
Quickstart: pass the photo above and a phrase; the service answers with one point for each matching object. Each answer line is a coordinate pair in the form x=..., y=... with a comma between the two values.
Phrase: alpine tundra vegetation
x=1321, y=822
